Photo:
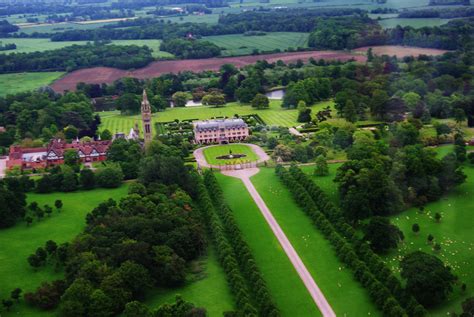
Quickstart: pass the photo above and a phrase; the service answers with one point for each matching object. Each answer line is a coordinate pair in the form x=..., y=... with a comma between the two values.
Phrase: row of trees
x=429, y=291
x=226, y=253
x=368, y=268
x=245, y=260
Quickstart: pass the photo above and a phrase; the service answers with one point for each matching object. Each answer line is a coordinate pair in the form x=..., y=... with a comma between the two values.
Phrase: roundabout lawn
x=213, y=152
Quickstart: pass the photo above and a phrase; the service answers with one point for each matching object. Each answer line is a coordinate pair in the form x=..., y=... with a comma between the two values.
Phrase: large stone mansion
x=220, y=131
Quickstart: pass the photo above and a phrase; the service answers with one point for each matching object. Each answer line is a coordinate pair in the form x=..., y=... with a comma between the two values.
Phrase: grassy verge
x=285, y=286
x=346, y=296
x=20, y=241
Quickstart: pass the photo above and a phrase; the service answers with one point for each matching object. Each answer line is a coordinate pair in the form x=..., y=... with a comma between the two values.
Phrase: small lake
x=276, y=94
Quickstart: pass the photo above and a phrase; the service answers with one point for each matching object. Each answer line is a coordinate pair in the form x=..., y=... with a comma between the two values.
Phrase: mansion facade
x=53, y=153
x=220, y=131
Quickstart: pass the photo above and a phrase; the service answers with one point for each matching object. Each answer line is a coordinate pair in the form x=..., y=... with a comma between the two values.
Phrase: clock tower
x=146, y=118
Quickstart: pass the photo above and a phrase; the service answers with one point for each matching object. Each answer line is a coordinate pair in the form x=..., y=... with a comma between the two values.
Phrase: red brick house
x=53, y=154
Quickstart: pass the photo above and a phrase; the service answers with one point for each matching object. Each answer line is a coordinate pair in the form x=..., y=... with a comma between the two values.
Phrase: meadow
x=275, y=115
x=284, y=284
x=19, y=82
x=207, y=288
x=346, y=295
x=29, y=45
x=206, y=285
x=239, y=44
x=213, y=152
x=454, y=232
x=415, y=23
x=20, y=241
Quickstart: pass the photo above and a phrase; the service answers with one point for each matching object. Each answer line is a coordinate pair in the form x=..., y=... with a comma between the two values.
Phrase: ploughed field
x=99, y=75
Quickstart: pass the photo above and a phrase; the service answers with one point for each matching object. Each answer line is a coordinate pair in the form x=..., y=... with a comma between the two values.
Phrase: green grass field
x=275, y=115
x=213, y=152
x=454, y=233
x=284, y=284
x=18, y=242
x=238, y=44
x=19, y=82
x=415, y=23
x=28, y=45
x=346, y=295
x=208, y=290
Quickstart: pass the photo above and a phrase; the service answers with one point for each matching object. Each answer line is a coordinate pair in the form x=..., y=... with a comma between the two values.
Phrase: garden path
x=318, y=297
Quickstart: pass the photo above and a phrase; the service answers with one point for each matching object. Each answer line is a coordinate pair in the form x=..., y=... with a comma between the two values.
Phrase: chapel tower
x=146, y=118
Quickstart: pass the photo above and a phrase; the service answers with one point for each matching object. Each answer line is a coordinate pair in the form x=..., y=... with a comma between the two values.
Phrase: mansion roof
x=214, y=125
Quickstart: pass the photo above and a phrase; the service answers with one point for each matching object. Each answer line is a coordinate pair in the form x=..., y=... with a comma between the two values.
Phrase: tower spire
x=146, y=118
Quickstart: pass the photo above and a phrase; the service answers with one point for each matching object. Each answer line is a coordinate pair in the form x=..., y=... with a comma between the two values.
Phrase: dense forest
x=77, y=56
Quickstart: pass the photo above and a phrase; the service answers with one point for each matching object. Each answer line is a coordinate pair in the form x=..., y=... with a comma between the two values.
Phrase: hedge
x=245, y=259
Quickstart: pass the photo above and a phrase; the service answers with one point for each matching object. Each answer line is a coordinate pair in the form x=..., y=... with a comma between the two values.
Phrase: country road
x=318, y=297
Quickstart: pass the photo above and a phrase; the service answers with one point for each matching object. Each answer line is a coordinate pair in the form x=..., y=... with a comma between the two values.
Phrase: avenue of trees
x=383, y=286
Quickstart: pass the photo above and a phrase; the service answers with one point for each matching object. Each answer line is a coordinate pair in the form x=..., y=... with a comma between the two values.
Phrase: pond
x=276, y=94
x=189, y=103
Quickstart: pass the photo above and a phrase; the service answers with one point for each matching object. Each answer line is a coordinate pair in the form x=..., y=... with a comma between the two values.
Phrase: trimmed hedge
x=248, y=267
x=384, y=288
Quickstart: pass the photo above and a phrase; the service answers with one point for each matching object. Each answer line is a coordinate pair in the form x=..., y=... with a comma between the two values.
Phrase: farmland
x=275, y=115
x=334, y=279
x=416, y=23
x=238, y=44
x=99, y=75
x=20, y=241
x=28, y=45
x=18, y=82
x=284, y=284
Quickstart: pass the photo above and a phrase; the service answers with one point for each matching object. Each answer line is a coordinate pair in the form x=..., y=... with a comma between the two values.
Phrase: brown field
x=99, y=75
x=401, y=51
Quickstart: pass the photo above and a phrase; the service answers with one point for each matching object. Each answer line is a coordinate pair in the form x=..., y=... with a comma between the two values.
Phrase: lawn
x=239, y=44
x=344, y=293
x=208, y=289
x=454, y=233
x=213, y=152
x=415, y=23
x=20, y=241
x=28, y=45
x=284, y=284
x=275, y=115
x=19, y=82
